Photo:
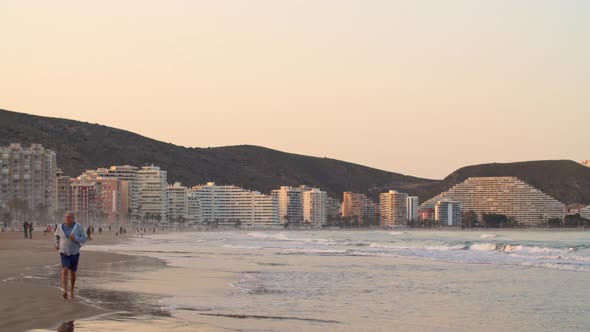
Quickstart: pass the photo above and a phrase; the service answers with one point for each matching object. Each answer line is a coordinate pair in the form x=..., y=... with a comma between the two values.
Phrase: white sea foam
x=444, y=248
x=510, y=248
x=483, y=246
x=487, y=236
x=396, y=233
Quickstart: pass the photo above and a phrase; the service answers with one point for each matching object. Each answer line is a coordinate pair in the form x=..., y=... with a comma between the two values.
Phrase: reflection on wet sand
x=66, y=327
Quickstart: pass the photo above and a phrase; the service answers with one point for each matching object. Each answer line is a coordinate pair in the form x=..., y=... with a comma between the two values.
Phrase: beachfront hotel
x=502, y=195
x=62, y=192
x=393, y=209
x=177, y=202
x=290, y=204
x=27, y=174
x=333, y=208
x=129, y=187
x=358, y=206
x=96, y=199
x=83, y=199
x=448, y=213
x=210, y=203
x=152, y=184
x=315, y=207
x=412, y=208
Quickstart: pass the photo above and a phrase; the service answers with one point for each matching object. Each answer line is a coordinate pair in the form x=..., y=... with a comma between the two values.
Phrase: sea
x=477, y=280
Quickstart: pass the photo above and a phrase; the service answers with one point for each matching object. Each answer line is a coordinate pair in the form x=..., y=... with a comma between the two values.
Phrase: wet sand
x=30, y=287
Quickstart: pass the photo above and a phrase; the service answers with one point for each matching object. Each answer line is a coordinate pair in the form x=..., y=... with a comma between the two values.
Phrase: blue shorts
x=71, y=262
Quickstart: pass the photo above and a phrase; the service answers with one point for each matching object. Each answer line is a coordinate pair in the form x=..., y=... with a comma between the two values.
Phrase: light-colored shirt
x=66, y=245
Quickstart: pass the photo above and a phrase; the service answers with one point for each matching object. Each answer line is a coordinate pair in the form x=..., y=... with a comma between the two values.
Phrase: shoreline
x=31, y=281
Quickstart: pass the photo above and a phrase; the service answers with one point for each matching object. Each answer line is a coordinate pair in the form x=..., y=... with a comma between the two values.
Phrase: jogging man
x=69, y=237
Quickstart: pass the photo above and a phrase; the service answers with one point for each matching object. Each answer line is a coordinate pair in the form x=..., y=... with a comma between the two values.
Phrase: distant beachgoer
x=154, y=230
x=69, y=237
x=92, y=230
x=30, y=230
x=26, y=229
x=88, y=233
x=109, y=228
x=99, y=230
x=116, y=233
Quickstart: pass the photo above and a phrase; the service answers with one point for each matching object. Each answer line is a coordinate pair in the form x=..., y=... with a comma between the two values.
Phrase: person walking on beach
x=88, y=233
x=69, y=237
x=31, y=231
x=26, y=229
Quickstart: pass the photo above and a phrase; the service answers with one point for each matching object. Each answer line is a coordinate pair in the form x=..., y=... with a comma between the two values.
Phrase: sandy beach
x=31, y=287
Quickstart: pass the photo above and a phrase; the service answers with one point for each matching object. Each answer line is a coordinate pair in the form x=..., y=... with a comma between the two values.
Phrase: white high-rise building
x=28, y=174
x=412, y=208
x=315, y=207
x=448, y=213
x=290, y=205
x=153, y=203
x=392, y=205
x=211, y=204
x=62, y=194
x=177, y=203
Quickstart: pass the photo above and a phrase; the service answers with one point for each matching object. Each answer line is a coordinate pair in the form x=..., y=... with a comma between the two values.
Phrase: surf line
x=269, y=317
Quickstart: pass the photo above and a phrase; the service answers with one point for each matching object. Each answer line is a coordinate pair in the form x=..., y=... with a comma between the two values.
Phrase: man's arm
x=80, y=236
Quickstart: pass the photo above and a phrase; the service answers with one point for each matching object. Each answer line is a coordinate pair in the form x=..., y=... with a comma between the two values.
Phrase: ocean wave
x=449, y=247
x=487, y=246
x=487, y=236
x=396, y=233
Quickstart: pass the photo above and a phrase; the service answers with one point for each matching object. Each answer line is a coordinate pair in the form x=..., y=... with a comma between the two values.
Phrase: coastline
x=31, y=281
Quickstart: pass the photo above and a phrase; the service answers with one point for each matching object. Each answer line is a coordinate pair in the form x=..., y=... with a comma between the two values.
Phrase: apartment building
x=177, y=203
x=502, y=195
x=334, y=208
x=83, y=200
x=393, y=208
x=211, y=204
x=129, y=186
x=412, y=208
x=152, y=200
x=62, y=192
x=448, y=213
x=315, y=208
x=28, y=174
x=358, y=206
x=290, y=204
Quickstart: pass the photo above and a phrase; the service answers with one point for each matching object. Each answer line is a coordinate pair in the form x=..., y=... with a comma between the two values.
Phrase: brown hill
x=565, y=180
x=81, y=146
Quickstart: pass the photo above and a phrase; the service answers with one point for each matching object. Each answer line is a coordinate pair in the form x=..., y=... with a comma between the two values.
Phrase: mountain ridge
x=82, y=145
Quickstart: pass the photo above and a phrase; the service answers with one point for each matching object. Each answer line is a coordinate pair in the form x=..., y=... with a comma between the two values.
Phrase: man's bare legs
x=72, y=283
x=64, y=282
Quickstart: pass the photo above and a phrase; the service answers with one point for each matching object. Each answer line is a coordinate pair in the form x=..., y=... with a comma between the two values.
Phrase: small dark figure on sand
x=26, y=229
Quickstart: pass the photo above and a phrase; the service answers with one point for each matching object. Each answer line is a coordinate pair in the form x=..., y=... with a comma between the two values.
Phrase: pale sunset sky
x=415, y=87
